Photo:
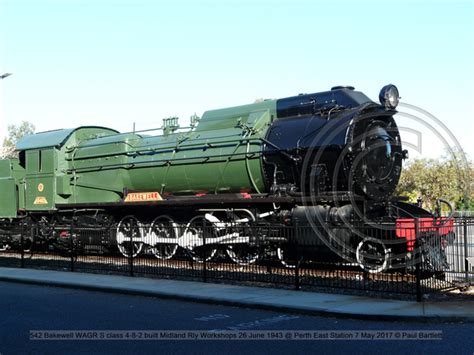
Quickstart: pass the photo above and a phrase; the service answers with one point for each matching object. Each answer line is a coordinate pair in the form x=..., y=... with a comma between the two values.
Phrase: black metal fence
x=362, y=259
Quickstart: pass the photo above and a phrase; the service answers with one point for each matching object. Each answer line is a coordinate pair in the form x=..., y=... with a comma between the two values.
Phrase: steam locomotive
x=325, y=164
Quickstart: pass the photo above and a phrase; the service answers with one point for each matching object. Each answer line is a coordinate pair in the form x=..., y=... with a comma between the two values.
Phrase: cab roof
x=57, y=138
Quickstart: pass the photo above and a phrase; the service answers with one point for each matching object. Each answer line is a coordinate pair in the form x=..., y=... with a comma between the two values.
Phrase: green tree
x=448, y=178
x=15, y=133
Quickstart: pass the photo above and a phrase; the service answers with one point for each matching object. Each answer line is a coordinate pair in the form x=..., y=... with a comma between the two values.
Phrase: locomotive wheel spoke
x=372, y=255
x=287, y=256
x=4, y=246
x=129, y=230
x=164, y=227
x=243, y=254
x=199, y=227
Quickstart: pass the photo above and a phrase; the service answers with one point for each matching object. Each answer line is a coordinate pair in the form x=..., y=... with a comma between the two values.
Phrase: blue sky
x=115, y=62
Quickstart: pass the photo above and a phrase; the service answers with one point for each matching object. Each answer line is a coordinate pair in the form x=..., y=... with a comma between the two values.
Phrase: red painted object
x=405, y=228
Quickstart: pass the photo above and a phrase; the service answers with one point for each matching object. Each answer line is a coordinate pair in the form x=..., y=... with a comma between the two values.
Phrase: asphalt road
x=27, y=308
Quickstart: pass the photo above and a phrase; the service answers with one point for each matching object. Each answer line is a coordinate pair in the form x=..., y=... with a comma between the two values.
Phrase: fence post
x=32, y=236
x=297, y=260
x=204, y=265
x=418, y=262
x=71, y=242
x=22, y=243
x=466, y=252
x=130, y=251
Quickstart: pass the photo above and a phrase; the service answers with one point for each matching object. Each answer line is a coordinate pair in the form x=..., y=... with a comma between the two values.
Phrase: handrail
x=153, y=144
x=168, y=149
x=130, y=165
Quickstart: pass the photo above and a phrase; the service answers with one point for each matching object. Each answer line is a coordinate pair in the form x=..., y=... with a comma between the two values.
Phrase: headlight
x=389, y=96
